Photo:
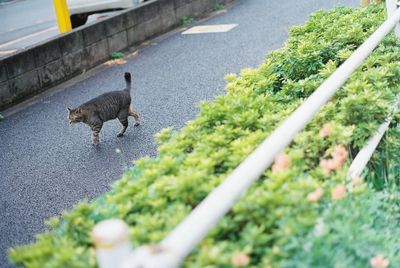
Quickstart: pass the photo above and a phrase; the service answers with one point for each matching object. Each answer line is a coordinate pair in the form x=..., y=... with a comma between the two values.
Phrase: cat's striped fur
x=108, y=106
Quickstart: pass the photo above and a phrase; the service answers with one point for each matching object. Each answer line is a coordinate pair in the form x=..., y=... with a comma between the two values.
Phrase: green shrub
x=351, y=232
x=156, y=194
x=117, y=55
x=218, y=6
x=186, y=21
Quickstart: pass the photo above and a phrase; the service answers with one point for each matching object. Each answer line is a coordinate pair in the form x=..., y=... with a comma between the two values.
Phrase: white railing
x=363, y=156
x=179, y=243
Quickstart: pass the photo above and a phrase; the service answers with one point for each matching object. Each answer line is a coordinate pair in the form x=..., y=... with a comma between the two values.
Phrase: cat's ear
x=69, y=109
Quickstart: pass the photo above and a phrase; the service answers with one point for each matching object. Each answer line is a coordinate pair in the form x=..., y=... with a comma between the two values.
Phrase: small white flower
x=307, y=246
x=319, y=227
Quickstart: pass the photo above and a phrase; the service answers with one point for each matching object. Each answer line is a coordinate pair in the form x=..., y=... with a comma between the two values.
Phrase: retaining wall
x=56, y=60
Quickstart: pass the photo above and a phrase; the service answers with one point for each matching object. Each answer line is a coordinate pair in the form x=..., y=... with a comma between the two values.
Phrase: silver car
x=79, y=10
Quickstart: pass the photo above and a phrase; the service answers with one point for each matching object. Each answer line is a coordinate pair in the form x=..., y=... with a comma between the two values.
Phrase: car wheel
x=78, y=20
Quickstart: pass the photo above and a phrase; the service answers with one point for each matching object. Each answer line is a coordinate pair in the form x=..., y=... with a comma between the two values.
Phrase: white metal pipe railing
x=178, y=244
x=391, y=6
x=364, y=155
x=111, y=238
x=219, y=201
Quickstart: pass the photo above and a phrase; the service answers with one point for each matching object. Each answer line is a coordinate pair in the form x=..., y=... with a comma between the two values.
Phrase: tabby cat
x=108, y=106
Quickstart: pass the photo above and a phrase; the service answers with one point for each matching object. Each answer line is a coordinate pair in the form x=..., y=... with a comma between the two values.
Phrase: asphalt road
x=24, y=23
x=47, y=165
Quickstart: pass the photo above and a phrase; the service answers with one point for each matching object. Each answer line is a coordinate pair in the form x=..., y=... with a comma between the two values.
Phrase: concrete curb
x=46, y=64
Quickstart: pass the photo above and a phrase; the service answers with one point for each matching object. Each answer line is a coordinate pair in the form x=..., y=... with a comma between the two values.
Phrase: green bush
x=156, y=194
x=117, y=55
x=351, y=232
x=185, y=21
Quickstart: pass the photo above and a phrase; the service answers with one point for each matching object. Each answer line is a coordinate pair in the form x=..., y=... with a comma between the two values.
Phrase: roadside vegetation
x=303, y=212
x=218, y=6
x=185, y=21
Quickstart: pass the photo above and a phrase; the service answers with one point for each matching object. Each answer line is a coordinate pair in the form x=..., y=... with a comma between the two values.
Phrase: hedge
x=364, y=225
x=264, y=227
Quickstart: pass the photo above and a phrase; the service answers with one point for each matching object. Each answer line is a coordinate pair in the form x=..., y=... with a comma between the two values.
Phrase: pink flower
x=325, y=166
x=282, y=162
x=339, y=192
x=325, y=131
x=356, y=180
x=330, y=164
x=339, y=153
x=334, y=164
x=240, y=259
x=316, y=195
x=379, y=262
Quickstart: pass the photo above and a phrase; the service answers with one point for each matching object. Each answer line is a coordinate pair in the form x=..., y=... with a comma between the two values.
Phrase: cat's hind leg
x=135, y=115
x=123, y=118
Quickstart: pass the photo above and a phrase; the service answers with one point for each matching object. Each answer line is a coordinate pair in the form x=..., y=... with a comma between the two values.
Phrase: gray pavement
x=17, y=15
x=47, y=165
x=24, y=23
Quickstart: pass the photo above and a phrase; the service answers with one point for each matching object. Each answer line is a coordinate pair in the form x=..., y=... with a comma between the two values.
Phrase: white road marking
x=221, y=28
x=28, y=36
x=6, y=52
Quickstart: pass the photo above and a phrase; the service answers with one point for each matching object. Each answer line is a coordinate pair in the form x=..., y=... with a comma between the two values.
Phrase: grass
x=186, y=21
x=218, y=6
x=117, y=55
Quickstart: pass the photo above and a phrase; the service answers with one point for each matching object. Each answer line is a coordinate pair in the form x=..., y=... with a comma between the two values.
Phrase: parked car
x=79, y=10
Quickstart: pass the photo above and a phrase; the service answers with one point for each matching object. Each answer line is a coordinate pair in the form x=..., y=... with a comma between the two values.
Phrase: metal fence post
x=111, y=238
x=364, y=155
x=391, y=6
x=151, y=257
x=62, y=15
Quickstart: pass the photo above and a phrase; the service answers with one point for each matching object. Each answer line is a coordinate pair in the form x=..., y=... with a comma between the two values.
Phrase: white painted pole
x=365, y=154
x=111, y=238
x=196, y=225
x=391, y=6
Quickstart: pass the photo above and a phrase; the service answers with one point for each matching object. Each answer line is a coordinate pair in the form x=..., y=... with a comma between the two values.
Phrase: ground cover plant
x=360, y=230
x=264, y=228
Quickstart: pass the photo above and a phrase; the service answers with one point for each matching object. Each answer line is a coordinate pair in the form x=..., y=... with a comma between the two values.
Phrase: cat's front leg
x=95, y=132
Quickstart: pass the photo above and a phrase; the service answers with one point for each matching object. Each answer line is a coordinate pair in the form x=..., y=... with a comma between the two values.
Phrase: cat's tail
x=128, y=80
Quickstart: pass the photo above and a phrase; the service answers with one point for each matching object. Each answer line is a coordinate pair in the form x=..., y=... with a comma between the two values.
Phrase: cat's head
x=75, y=115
